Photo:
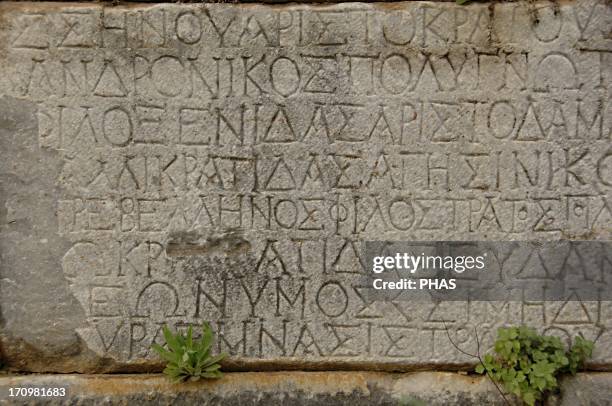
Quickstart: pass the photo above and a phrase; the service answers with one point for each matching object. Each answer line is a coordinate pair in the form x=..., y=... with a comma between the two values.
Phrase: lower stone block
x=298, y=388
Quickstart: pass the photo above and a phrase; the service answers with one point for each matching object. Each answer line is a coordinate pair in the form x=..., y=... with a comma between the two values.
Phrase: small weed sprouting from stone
x=189, y=359
x=527, y=364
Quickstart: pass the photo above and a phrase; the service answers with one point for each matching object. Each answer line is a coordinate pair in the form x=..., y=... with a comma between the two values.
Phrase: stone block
x=182, y=163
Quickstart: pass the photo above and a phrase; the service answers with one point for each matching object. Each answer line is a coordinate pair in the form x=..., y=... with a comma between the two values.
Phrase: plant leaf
x=207, y=337
x=165, y=354
x=189, y=340
x=215, y=359
x=172, y=340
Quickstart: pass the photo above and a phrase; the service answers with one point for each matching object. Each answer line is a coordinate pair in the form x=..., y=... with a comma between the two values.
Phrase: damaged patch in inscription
x=191, y=244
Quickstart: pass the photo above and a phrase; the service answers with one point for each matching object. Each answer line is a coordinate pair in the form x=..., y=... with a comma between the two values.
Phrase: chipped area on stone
x=175, y=164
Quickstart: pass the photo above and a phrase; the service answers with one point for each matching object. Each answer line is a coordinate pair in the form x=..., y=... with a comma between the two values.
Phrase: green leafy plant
x=188, y=358
x=528, y=364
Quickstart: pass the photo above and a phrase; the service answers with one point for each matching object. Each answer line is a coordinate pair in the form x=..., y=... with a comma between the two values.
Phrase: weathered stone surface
x=300, y=388
x=187, y=163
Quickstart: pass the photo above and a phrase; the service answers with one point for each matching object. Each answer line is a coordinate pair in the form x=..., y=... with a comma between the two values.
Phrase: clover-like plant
x=527, y=364
x=188, y=358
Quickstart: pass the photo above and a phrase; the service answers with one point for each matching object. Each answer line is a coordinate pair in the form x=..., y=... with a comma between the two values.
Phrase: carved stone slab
x=175, y=164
